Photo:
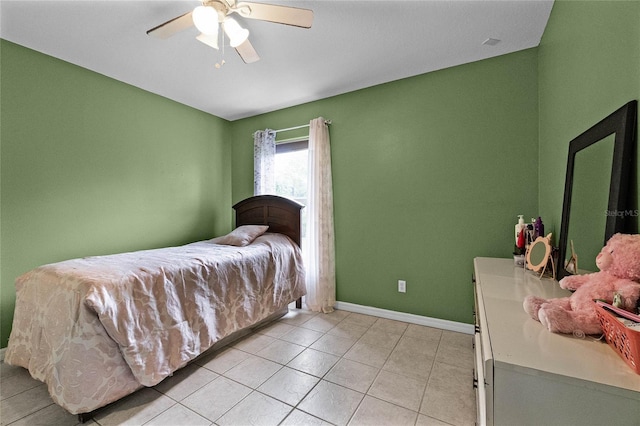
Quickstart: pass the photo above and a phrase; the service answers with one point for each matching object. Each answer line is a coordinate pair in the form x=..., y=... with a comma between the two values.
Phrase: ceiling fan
x=215, y=13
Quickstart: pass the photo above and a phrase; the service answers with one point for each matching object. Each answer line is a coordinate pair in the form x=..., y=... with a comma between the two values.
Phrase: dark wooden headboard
x=281, y=214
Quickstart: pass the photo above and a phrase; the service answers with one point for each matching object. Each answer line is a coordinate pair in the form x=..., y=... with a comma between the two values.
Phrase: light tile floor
x=304, y=369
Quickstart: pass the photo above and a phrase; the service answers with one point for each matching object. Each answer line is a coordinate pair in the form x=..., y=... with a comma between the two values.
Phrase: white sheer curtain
x=320, y=247
x=264, y=153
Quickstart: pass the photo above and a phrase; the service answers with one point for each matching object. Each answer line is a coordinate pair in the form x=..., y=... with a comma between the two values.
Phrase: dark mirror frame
x=622, y=123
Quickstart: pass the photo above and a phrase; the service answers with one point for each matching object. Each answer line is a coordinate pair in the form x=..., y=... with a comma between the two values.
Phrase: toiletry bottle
x=521, y=244
x=520, y=226
x=539, y=226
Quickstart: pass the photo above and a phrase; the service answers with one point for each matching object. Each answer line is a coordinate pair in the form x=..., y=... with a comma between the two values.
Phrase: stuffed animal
x=619, y=264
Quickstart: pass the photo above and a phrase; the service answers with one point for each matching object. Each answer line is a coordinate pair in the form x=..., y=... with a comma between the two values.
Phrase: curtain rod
x=298, y=127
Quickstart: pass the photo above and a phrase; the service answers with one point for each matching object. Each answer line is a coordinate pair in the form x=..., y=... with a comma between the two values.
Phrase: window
x=291, y=170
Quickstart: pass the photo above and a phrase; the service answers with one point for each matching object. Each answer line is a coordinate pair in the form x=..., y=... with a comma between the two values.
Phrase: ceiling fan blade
x=273, y=13
x=171, y=27
x=247, y=52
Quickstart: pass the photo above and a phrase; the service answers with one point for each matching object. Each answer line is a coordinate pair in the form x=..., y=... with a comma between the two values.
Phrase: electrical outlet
x=402, y=286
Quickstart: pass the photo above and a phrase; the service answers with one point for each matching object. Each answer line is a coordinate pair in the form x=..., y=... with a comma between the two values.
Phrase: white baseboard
x=410, y=318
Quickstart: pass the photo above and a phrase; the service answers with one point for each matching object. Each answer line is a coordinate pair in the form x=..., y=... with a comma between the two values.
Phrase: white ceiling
x=351, y=45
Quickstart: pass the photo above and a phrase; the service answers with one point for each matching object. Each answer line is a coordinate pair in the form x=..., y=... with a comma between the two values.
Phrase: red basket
x=625, y=341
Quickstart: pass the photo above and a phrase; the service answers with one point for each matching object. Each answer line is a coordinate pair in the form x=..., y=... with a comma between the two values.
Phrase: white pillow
x=242, y=235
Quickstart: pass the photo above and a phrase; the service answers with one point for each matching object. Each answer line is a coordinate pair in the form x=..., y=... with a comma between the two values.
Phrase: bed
x=99, y=328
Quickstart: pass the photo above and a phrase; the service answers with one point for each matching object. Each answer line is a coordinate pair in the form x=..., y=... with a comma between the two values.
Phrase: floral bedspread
x=96, y=329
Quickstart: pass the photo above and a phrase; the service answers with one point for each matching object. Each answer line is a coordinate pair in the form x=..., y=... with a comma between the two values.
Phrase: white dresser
x=529, y=376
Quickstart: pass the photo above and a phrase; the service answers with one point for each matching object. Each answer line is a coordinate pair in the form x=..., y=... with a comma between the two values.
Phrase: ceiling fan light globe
x=237, y=35
x=209, y=40
x=205, y=18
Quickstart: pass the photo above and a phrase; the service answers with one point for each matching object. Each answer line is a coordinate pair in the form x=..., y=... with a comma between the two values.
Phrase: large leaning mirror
x=596, y=202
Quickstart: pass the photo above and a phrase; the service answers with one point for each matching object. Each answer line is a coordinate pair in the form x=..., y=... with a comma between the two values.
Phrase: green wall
x=589, y=66
x=429, y=172
x=92, y=166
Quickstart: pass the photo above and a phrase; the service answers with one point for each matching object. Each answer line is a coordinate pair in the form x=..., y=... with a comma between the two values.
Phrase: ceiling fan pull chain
x=221, y=63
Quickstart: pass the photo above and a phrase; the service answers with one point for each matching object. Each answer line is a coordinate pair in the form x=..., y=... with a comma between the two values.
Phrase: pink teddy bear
x=619, y=264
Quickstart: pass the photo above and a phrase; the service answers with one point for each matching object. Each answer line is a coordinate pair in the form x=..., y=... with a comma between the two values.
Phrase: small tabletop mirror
x=539, y=256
